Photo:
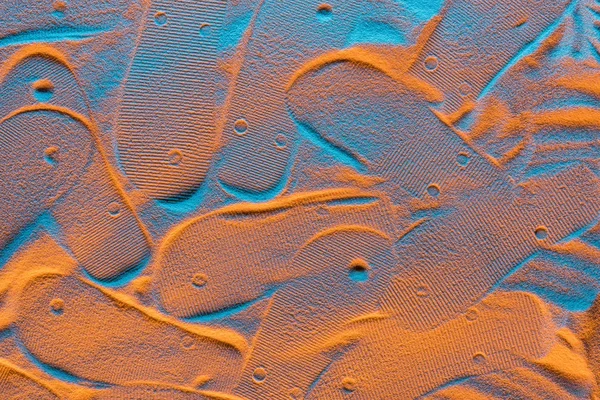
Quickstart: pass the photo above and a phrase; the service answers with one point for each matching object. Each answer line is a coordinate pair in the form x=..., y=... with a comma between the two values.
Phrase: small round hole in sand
x=57, y=306
x=51, y=155
x=187, y=342
x=359, y=270
x=59, y=9
x=324, y=12
x=259, y=375
x=433, y=190
x=280, y=141
x=479, y=359
x=431, y=63
x=175, y=156
x=114, y=209
x=160, y=18
x=43, y=90
x=349, y=384
x=472, y=314
x=462, y=159
x=205, y=30
x=199, y=280
x=240, y=126
x=541, y=233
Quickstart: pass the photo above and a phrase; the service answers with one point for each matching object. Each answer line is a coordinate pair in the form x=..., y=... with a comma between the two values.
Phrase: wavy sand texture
x=166, y=120
x=192, y=279
x=298, y=199
x=59, y=166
